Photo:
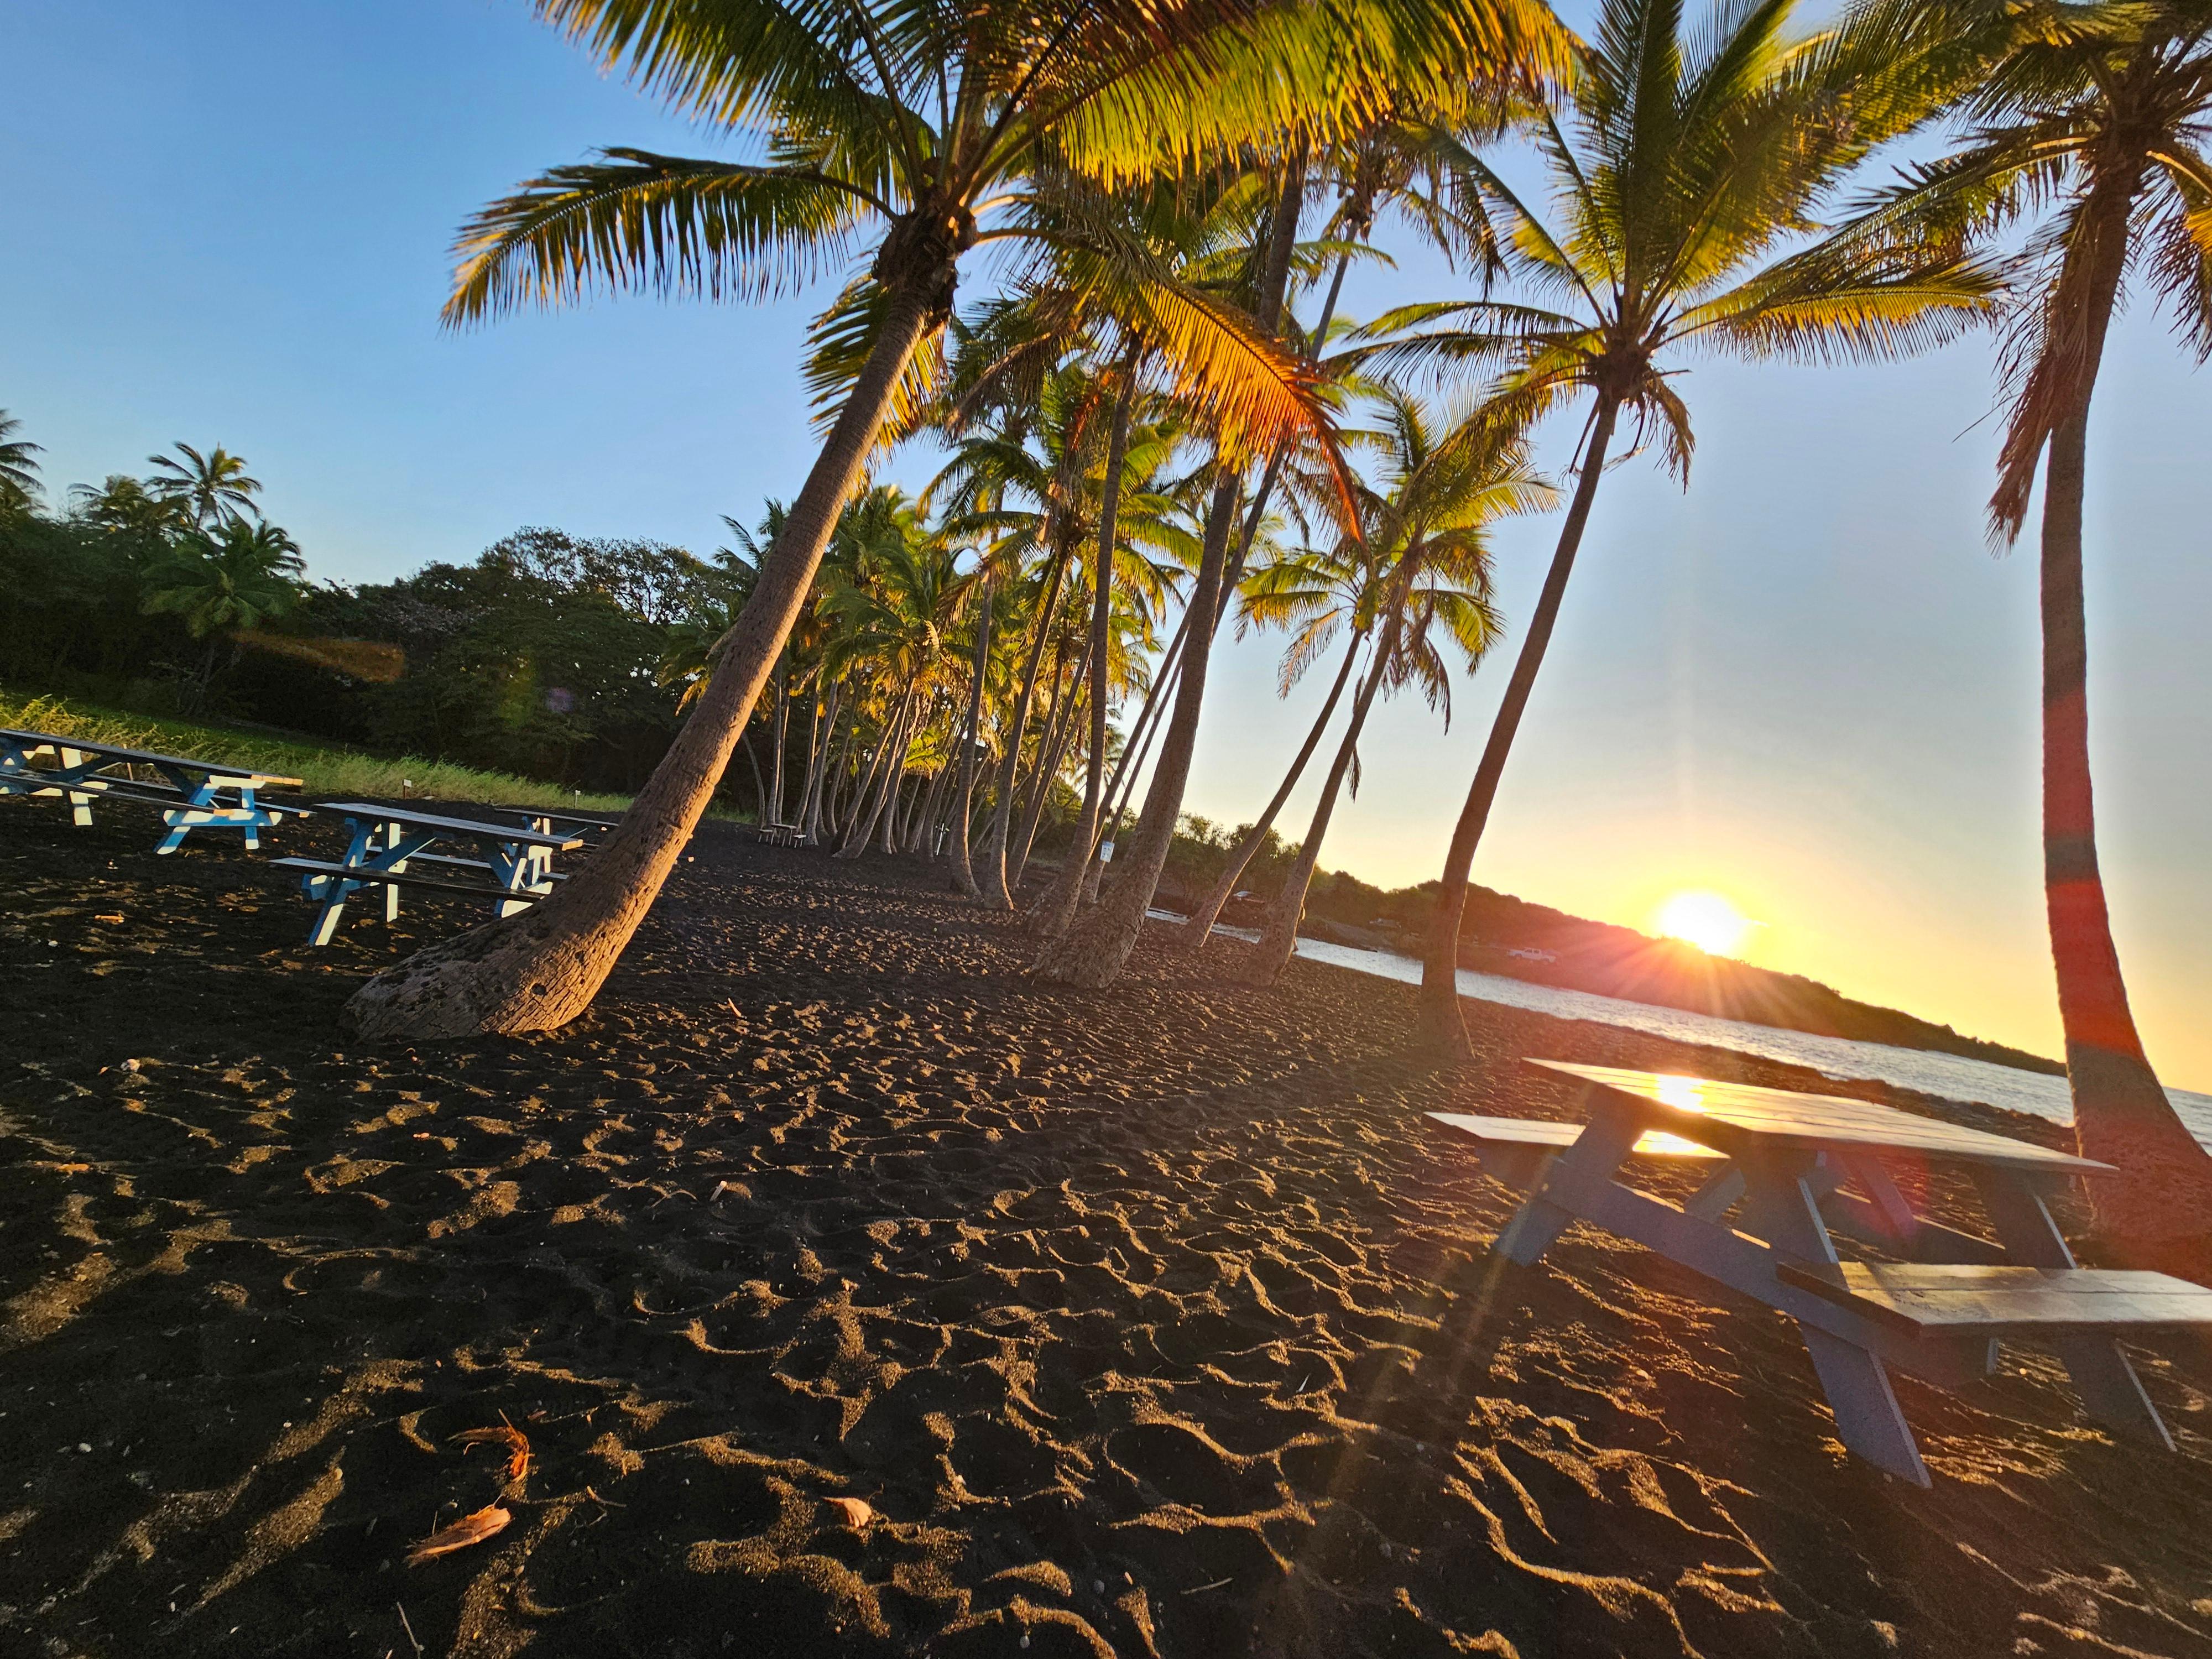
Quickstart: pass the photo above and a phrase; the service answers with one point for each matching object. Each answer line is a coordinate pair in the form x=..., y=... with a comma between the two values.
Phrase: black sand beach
x=1154, y=1321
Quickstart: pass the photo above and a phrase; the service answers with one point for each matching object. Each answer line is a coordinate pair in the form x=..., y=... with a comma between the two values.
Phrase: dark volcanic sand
x=1151, y=1321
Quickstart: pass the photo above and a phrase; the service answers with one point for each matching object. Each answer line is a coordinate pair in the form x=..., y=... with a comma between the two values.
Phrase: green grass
x=325, y=770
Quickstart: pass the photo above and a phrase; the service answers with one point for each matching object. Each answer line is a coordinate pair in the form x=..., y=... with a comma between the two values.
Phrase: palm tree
x=928, y=122
x=1688, y=160
x=2093, y=120
x=203, y=490
x=1423, y=569
x=1043, y=459
x=1093, y=954
x=892, y=623
x=122, y=505
x=19, y=473
x=224, y=584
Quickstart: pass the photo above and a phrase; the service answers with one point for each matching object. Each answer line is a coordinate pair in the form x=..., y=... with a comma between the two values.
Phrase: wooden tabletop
x=1736, y=1117
x=116, y=752
x=515, y=834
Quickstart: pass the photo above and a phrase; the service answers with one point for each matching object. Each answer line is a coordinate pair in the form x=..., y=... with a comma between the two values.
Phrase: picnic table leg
x=2110, y=1391
x=198, y=800
x=515, y=871
x=334, y=889
x=1603, y=1145
x=1718, y=1195
x=1782, y=1207
x=391, y=835
x=80, y=803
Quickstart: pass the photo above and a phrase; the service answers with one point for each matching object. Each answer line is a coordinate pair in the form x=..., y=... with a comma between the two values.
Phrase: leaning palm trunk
x=1093, y=952
x=924, y=839
x=833, y=783
x=1196, y=931
x=539, y=969
x=1279, y=938
x=963, y=807
x=883, y=780
x=1123, y=783
x=992, y=877
x=870, y=774
x=1058, y=910
x=2160, y=1208
x=782, y=736
x=1059, y=734
x=817, y=766
x=1439, y=1021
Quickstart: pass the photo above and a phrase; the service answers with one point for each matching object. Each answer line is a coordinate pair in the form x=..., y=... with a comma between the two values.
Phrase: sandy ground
x=1153, y=1321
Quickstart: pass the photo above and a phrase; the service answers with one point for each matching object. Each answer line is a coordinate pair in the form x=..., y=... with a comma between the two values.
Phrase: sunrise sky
x=1805, y=684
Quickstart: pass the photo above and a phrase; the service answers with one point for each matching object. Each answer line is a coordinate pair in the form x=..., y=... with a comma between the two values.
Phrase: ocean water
x=1949, y=1077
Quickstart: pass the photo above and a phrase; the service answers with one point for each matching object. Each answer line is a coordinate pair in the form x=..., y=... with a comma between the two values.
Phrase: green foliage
x=324, y=770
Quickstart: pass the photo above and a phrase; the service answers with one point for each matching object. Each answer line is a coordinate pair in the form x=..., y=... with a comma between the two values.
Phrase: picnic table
x=196, y=794
x=562, y=822
x=509, y=865
x=1782, y=1160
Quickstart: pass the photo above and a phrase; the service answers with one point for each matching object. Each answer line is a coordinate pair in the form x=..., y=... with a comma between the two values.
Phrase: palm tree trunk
x=924, y=840
x=539, y=970
x=1279, y=938
x=871, y=773
x=882, y=779
x=1093, y=952
x=2159, y=1210
x=1058, y=731
x=1124, y=782
x=760, y=790
x=833, y=783
x=1199, y=927
x=1059, y=908
x=782, y=734
x=818, y=764
x=1113, y=832
x=1439, y=1021
x=992, y=877
x=963, y=869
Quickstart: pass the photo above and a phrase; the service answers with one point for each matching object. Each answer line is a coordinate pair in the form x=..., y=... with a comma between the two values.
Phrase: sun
x=1706, y=920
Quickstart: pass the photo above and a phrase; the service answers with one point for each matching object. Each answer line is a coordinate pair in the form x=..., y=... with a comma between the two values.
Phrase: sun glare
x=1707, y=920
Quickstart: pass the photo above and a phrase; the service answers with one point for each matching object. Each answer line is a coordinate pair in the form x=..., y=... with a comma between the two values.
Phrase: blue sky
x=1805, y=682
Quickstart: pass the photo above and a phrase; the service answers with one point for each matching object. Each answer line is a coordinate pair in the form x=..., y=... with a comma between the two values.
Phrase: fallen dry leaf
x=469, y=1529
x=856, y=1510
x=117, y=918
x=517, y=1445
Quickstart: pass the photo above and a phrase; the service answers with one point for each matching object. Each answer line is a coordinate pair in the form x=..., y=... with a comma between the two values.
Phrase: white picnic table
x=1781, y=1161
x=195, y=794
x=510, y=865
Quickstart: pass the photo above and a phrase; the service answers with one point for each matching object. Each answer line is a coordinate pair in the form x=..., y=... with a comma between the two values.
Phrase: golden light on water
x=1707, y=919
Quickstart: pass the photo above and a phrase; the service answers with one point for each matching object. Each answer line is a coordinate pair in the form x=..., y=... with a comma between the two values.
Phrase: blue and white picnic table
x=1782, y=1161
x=547, y=821
x=509, y=865
x=196, y=794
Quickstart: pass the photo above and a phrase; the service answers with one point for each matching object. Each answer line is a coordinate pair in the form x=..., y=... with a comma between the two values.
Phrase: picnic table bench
x=513, y=867
x=779, y=834
x=1781, y=1159
x=195, y=794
